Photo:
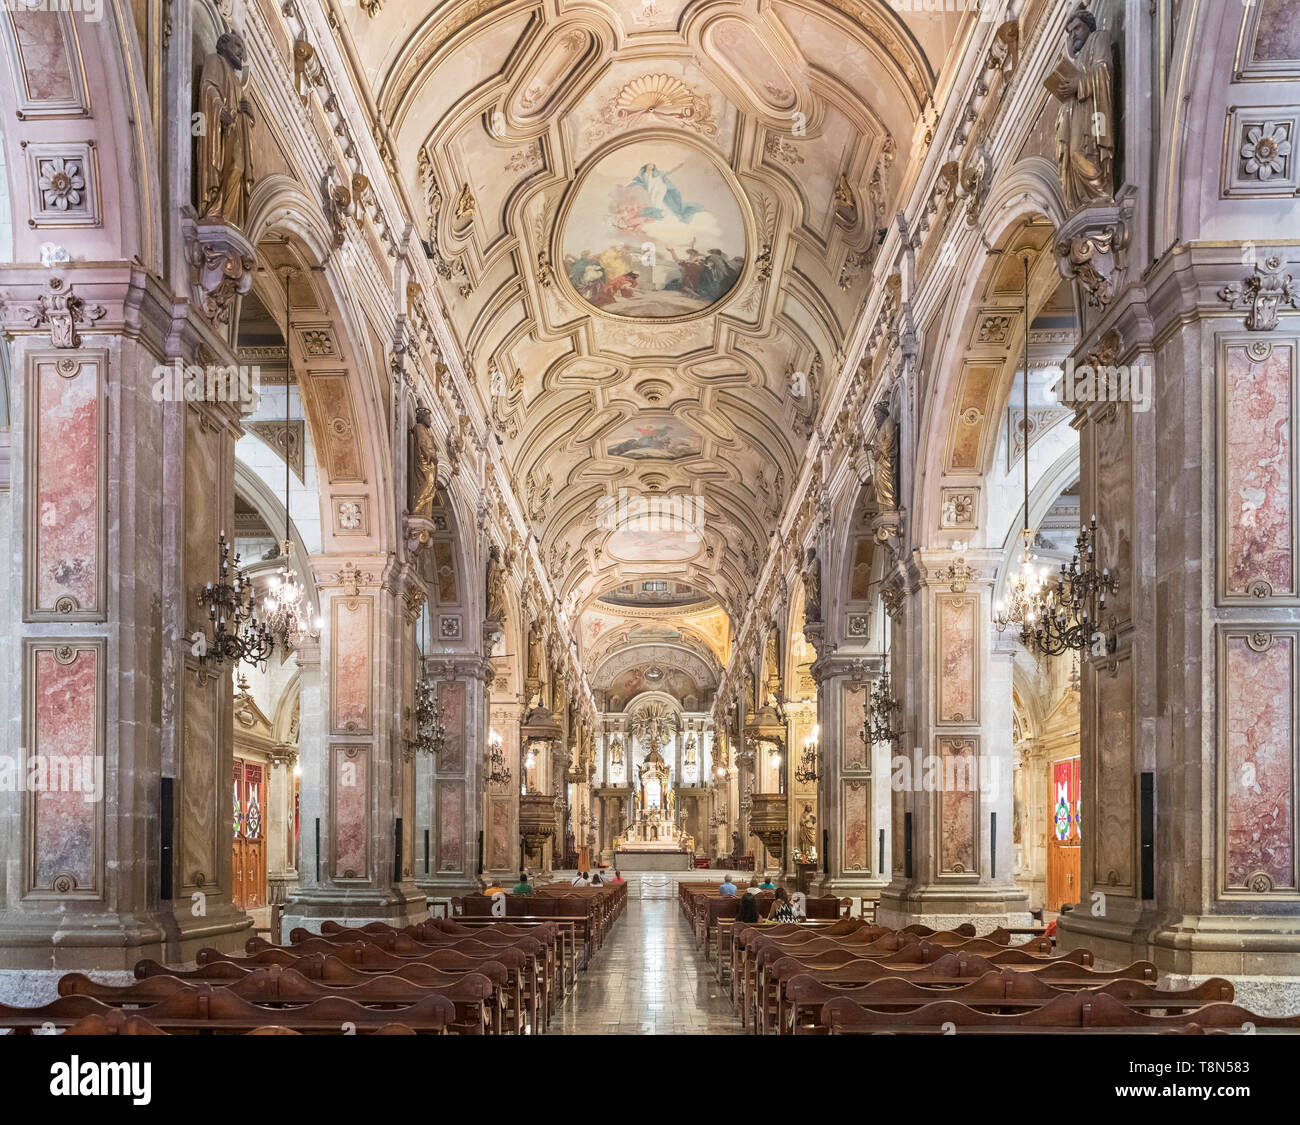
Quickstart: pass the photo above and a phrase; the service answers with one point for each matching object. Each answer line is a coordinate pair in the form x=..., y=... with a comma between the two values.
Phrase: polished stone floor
x=648, y=980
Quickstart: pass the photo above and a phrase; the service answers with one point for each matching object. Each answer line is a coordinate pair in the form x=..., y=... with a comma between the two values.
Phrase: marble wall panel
x=351, y=805
x=501, y=848
x=1112, y=811
x=855, y=803
x=451, y=696
x=1258, y=760
x=44, y=61
x=201, y=829
x=854, y=753
x=956, y=624
x=958, y=807
x=451, y=825
x=1114, y=506
x=65, y=765
x=1257, y=471
x=67, y=510
x=351, y=665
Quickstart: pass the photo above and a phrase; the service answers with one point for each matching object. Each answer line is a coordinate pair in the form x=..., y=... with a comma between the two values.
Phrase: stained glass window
x=238, y=811
x=1078, y=802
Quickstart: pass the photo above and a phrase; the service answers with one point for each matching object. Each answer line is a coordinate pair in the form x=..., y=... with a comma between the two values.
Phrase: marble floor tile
x=649, y=979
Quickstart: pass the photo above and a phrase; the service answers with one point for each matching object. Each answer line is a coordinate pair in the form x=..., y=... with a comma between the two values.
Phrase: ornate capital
x=1260, y=295
x=221, y=268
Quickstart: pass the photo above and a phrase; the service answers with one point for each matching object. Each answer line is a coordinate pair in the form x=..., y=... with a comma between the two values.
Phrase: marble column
x=951, y=770
x=351, y=751
x=1195, y=501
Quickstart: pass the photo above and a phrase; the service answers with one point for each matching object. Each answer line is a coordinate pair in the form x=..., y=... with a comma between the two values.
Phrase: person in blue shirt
x=767, y=884
x=728, y=887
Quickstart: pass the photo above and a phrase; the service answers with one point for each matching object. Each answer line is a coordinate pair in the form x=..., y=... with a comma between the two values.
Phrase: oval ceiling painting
x=654, y=232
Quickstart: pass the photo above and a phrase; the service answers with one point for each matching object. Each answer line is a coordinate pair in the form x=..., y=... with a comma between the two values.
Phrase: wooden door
x=1064, y=839
x=248, y=836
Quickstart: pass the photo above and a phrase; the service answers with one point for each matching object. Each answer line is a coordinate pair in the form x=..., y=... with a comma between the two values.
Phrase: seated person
x=523, y=887
x=728, y=887
x=492, y=889
x=781, y=909
x=617, y=877
x=752, y=889
x=748, y=909
x=580, y=880
x=767, y=884
x=596, y=880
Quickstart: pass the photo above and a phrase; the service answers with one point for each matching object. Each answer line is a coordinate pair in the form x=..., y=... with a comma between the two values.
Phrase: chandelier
x=1069, y=614
x=1026, y=587
x=237, y=634
x=808, y=770
x=430, y=714
x=879, y=723
x=498, y=772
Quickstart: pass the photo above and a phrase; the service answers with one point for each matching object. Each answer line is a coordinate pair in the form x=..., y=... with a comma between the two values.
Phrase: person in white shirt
x=581, y=880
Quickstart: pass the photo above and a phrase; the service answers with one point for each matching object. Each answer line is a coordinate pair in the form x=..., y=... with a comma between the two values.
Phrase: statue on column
x=422, y=475
x=812, y=586
x=883, y=473
x=224, y=160
x=496, y=588
x=1083, y=82
x=535, y=650
x=807, y=831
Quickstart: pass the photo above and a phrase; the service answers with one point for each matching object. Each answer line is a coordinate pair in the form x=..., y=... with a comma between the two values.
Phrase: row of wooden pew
x=848, y=977
x=710, y=912
x=588, y=912
x=470, y=976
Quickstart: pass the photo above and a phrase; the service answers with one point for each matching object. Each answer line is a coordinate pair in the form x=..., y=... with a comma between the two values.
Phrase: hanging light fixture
x=237, y=633
x=879, y=724
x=430, y=714
x=808, y=771
x=285, y=600
x=498, y=772
x=1025, y=587
x=1070, y=613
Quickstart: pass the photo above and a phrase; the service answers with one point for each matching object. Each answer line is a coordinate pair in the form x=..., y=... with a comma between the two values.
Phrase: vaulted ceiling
x=653, y=221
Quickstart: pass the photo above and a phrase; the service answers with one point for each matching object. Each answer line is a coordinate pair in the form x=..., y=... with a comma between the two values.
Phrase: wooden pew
x=208, y=1010
x=275, y=986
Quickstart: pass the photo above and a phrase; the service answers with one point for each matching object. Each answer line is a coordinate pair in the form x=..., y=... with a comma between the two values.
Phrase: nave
x=649, y=979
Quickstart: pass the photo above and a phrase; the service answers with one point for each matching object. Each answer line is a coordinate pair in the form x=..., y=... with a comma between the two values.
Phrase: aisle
x=648, y=980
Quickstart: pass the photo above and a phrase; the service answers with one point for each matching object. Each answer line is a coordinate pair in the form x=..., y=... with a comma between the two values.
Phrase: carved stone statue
x=807, y=830
x=535, y=650
x=496, y=587
x=224, y=160
x=1083, y=82
x=812, y=587
x=422, y=473
x=883, y=473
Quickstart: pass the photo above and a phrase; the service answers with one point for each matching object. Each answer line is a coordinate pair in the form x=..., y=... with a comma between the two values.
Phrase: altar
x=653, y=861
x=654, y=831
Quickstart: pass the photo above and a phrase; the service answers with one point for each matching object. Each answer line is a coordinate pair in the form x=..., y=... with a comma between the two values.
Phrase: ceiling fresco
x=653, y=221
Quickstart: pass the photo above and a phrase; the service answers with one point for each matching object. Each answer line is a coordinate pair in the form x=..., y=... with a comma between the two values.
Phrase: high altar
x=654, y=828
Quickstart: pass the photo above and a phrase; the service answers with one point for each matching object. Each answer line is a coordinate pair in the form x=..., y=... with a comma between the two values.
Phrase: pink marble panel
x=47, y=71
x=350, y=687
x=351, y=812
x=451, y=696
x=502, y=853
x=1258, y=462
x=957, y=632
x=958, y=806
x=334, y=426
x=1113, y=811
x=451, y=825
x=857, y=838
x=853, y=752
x=1115, y=506
x=67, y=499
x=1259, y=722
x=67, y=706
x=200, y=795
